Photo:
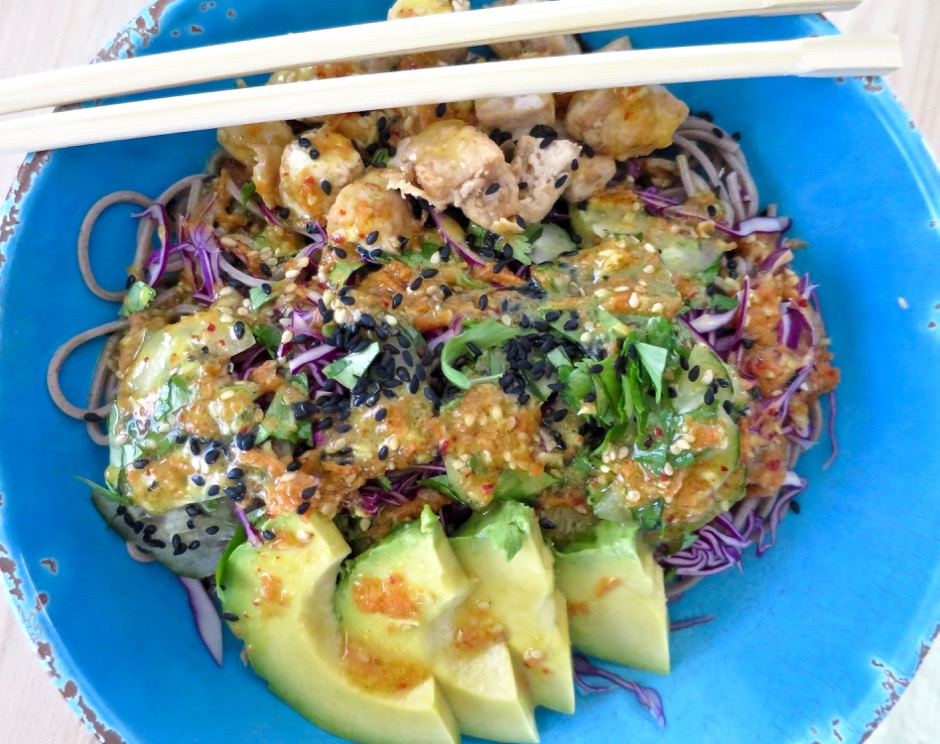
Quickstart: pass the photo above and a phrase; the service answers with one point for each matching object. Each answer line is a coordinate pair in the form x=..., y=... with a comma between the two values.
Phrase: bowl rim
x=133, y=37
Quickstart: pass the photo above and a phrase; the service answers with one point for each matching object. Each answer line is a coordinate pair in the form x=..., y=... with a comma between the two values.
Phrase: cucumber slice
x=692, y=385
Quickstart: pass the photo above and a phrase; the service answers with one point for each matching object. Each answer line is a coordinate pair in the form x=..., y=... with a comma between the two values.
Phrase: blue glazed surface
x=812, y=642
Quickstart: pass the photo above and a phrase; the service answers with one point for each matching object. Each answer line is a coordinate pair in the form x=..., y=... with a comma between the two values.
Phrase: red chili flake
x=488, y=488
x=444, y=448
x=221, y=343
x=657, y=432
x=802, y=303
x=724, y=468
x=773, y=465
x=210, y=327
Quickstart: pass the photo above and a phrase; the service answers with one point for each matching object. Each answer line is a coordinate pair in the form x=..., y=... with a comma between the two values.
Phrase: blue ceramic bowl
x=812, y=642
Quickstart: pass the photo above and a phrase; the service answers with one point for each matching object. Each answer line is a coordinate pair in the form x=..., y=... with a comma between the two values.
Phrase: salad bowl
x=813, y=641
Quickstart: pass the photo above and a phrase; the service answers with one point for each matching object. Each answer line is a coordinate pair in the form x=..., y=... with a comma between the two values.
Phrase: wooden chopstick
x=374, y=40
x=833, y=56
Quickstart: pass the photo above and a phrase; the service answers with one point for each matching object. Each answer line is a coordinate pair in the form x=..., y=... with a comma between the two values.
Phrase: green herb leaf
x=137, y=298
x=441, y=484
x=105, y=492
x=248, y=192
x=341, y=272
x=350, y=368
x=518, y=486
x=654, y=361
x=381, y=157
x=649, y=516
x=259, y=298
x=267, y=337
x=723, y=302
x=486, y=335
x=384, y=482
x=171, y=397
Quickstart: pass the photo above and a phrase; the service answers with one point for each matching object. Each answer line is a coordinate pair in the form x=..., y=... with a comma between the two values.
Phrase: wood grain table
x=42, y=34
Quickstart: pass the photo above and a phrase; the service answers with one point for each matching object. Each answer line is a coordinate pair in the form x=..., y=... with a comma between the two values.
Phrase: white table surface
x=43, y=34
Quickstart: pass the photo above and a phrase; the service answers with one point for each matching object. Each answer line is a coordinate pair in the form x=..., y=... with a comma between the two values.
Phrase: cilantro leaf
x=104, y=491
x=384, y=482
x=137, y=298
x=723, y=302
x=518, y=486
x=171, y=397
x=649, y=516
x=441, y=484
x=654, y=361
x=248, y=192
x=351, y=367
x=267, y=337
x=259, y=298
x=486, y=335
x=341, y=272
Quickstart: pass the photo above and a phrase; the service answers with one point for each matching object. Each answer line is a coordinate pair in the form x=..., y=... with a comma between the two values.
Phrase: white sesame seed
x=291, y=273
x=657, y=307
x=650, y=248
x=634, y=300
x=287, y=337
x=585, y=337
x=602, y=294
x=393, y=443
x=225, y=317
x=681, y=444
x=667, y=468
x=903, y=303
x=242, y=312
x=227, y=395
x=288, y=477
x=649, y=269
x=226, y=291
x=435, y=257
x=708, y=377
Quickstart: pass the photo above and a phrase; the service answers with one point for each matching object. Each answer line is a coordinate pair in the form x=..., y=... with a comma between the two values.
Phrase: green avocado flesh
x=422, y=638
x=506, y=555
x=616, y=597
x=293, y=640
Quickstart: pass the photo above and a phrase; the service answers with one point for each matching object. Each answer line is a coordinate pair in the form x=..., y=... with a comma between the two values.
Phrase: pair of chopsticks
x=835, y=56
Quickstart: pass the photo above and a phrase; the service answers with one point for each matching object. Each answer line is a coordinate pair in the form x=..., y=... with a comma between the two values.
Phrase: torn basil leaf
x=350, y=368
x=486, y=335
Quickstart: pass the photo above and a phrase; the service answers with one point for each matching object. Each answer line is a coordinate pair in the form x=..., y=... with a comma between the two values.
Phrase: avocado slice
x=503, y=550
x=616, y=597
x=407, y=602
x=294, y=641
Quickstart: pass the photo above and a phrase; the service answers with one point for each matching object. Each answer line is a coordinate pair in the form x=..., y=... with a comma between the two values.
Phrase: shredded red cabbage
x=646, y=696
x=208, y=622
x=719, y=547
x=404, y=487
x=158, y=260
x=250, y=532
x=471, y=257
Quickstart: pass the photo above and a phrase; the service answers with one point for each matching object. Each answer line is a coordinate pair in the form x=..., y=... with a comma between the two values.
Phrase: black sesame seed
x=340, y=252
x=308, y=493
x=673, y=393
x=367, y=321
x=199, y=481
x=694, y=373
x=303, y=410
x=234, y=473
x=213, y=490
x=440, y=110
x=552, y=315
x=212, y=530
x=492, y=189
x=482, y=302
x=326, y=186
x=795, y=507
x=546, y=524
x=729, y=408
x=709, y=397
x=520, y=221
x=562, y=180
x=141, y=463
x=499, y=266
x=747, y=343
x=397, y=299
x=429, y=273
x=474, y=349
x=303, y=508
x=596, y=369
x=245, y=440
x=416, y=284
x=347, y=300
x=736, y=136
x=381, y=414
x=684, y=363
x=194, y=545
x=590, y=397
x=91, y=417
x=324, y=424
x=383, y=452
x=267, y=534
x=446, y=291
x=239, y=329
x=413, y=385
x=372, y=237
x=587, y=150
x=560, y=415
x=229, y=617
